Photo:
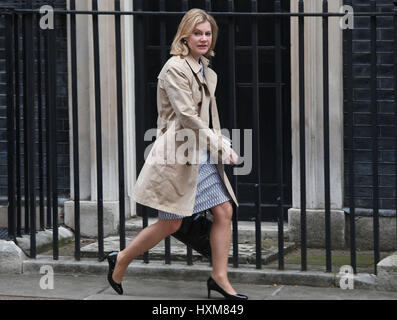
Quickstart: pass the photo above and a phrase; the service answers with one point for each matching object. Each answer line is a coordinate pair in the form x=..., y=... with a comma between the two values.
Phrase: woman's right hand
x=233, y=158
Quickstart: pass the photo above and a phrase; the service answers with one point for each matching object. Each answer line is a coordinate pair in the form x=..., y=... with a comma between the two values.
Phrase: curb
x=198, y=271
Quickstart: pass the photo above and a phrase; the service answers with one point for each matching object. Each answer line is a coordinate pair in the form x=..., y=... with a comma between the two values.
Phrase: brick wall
x=61, y=102
x=362, y=109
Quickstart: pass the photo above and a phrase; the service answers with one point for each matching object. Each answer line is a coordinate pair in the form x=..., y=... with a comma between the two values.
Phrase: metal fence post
x=120, y=126
x=98, y=128
x=256, y=134
x=233, y=111
x=17, y=127
x=40, y=124
x=395, y=100
x=29, y=94
x=9, y=55
x=350, y=144
x=279, y=136
x=326, y=140
x=75, y=129
x=374, y=116
x=302, y=135
x=52, y=136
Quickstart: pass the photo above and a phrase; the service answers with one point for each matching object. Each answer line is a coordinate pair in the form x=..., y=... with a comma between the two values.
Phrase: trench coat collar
x=209, y=81
x=196, y=67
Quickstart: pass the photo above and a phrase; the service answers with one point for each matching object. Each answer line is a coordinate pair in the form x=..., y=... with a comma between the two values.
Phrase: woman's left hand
x=233, y=158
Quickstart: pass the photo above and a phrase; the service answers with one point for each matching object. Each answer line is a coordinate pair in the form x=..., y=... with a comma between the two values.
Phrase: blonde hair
x=186, y=28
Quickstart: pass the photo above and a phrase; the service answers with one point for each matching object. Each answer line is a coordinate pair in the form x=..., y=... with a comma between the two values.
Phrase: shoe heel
x=212, y=285
x=209, y=293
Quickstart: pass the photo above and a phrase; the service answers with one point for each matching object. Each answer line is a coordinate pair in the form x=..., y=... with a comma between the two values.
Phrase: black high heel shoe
x=112, y=258
x=212, y=285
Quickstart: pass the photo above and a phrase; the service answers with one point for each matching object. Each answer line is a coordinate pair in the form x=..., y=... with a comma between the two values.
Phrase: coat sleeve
x=176, y=85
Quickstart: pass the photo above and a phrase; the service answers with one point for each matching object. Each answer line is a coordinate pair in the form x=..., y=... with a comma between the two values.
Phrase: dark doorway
x=237, y=70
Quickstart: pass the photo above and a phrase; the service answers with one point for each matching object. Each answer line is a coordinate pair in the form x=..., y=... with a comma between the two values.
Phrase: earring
x=184, y=41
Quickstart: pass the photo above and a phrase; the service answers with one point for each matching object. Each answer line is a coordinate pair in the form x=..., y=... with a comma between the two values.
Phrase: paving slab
x=200, y=271
x=95, y=287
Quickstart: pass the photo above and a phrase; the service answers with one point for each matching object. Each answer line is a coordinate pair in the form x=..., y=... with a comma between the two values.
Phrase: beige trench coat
x=183, y=101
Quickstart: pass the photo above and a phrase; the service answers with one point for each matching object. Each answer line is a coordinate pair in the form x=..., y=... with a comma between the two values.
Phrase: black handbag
x=195, y=232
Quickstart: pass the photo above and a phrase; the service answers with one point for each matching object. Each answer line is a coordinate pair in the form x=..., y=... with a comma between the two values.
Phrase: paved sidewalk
x=95, y=287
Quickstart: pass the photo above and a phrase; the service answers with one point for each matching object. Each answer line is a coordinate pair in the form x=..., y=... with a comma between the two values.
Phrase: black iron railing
x=29, y=17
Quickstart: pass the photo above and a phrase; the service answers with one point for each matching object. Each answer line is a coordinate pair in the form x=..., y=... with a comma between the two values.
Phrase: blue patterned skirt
x=211, y=190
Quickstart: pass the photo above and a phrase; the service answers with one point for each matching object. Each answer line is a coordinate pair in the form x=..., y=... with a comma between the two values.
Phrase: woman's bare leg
x=220, y=238
x=145, y=240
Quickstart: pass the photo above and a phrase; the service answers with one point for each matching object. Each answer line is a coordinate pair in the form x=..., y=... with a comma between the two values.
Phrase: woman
x=185, y=93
